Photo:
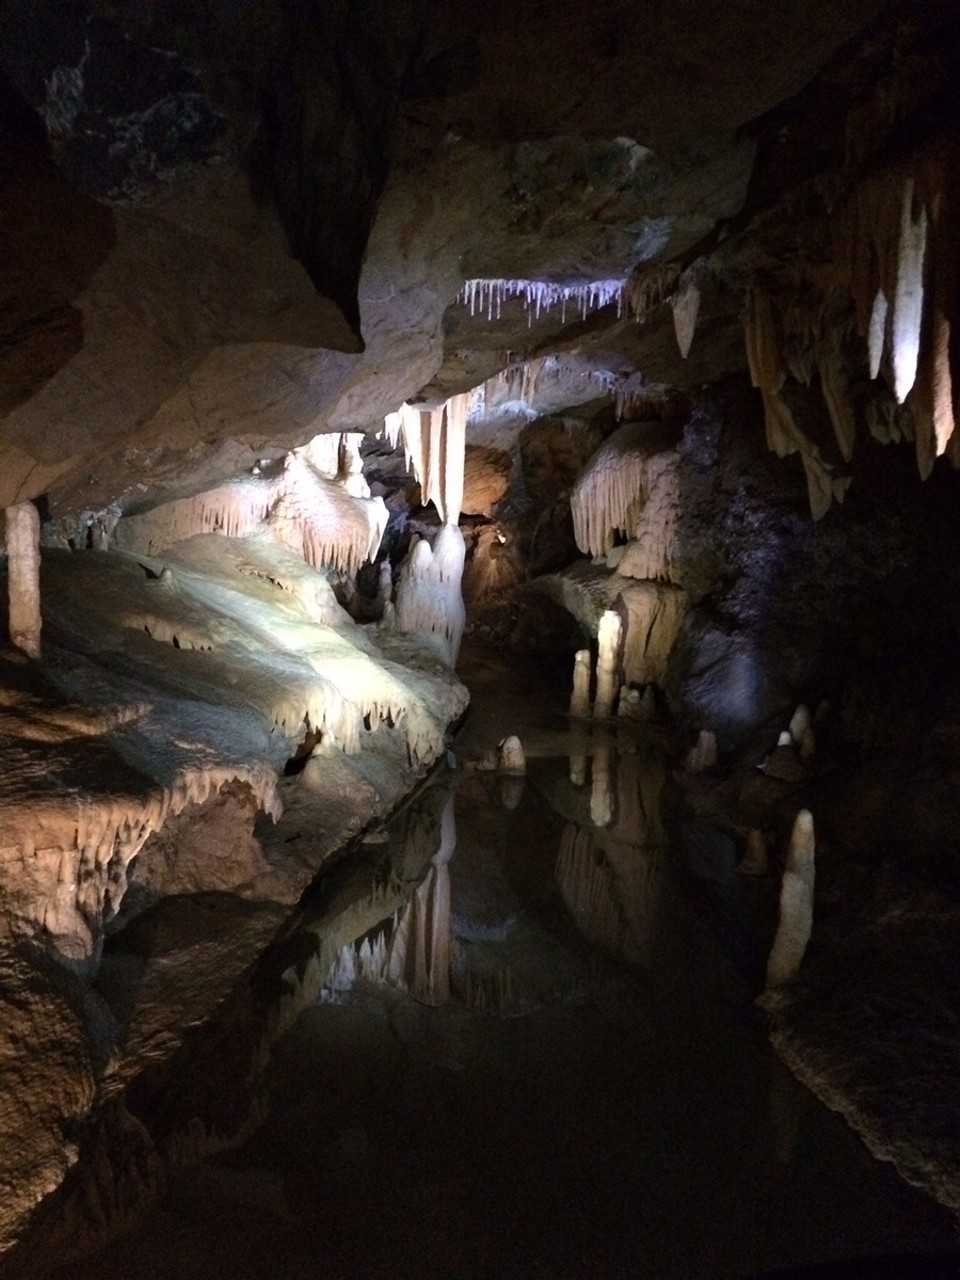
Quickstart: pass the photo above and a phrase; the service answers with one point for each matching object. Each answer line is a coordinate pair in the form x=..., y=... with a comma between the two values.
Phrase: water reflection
x=610, y=871
x=590, y=1074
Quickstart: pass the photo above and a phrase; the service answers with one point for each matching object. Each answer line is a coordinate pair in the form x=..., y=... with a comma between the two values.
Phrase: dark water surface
x=597, y=1098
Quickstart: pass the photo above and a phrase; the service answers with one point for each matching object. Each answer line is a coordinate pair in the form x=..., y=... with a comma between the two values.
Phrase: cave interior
x=399, y=397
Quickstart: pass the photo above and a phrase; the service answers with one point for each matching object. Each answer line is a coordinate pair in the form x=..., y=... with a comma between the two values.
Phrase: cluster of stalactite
x=873, y=326
x=328, y=520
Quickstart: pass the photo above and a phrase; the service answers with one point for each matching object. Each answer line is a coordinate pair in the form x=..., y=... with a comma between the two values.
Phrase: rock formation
x=638, y=330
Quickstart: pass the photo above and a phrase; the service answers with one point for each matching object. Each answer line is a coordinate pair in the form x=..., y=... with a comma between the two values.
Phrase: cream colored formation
x=894, y=258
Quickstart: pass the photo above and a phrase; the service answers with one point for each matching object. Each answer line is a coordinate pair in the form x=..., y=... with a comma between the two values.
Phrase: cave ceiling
x=229, y=227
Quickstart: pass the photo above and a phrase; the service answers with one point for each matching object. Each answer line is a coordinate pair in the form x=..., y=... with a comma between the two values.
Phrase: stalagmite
x=796, y=910
x=580, y=698
x=510, y=757
x=908, y=298
x=350, y=466
x=686, y=306
x=428, y=591
x=23, y=576
x=608, y=663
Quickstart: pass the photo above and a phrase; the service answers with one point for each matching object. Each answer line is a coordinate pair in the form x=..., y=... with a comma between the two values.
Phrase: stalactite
x=23, y=576
x=652, y=617
x=876, y=332
x=686, y=307
x=455, y=437
x=755, y=861
x=908, y=297
x=313, y=516
x=703, y=754
x=611, y=492
x=487, y=296
x=650, y=286
x=650, y=555
x=434, y=442
x=763, y=343
x=324, y=453
x=836, y=393
x=319, y=520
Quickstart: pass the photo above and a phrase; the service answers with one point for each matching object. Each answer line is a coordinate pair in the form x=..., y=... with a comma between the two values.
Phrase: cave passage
x=596, y=1096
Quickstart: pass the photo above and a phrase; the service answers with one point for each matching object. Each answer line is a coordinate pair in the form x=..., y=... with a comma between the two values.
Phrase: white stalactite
x=23, y=576
x=486, y=296
x=611, y=492
x=876, y=332
x=315, y=517
x=686, y=307
x=908, y=299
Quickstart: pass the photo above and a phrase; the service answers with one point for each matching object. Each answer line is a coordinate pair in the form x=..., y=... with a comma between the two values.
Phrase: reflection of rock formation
x=610, y=877
x=414, y=954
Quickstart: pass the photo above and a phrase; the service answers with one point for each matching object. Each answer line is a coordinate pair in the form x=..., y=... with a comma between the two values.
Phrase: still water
x=547, y=1063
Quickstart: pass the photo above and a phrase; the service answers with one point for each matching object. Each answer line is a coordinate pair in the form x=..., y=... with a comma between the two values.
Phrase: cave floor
x=566, y=1114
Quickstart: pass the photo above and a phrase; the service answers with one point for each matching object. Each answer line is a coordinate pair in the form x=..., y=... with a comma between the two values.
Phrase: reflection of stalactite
x=419, y=959
x=414, y=952
x=601, y=790
x=611, y=889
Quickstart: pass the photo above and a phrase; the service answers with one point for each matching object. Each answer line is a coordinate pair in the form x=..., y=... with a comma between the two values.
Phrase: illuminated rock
x=796, y=910
x=23, y=576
